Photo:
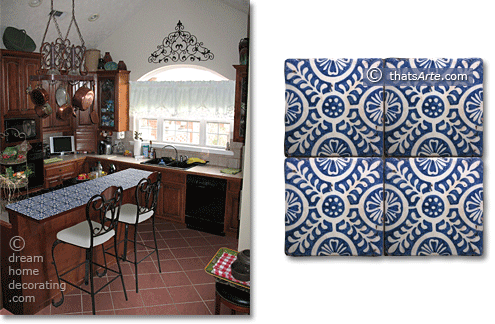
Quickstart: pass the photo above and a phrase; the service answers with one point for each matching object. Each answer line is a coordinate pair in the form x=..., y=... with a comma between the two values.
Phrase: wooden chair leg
x=217, y=304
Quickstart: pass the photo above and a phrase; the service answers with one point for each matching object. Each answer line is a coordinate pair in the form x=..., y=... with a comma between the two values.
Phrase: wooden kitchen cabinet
x=233, y=196
x=113, y=100
x=56, y=174
x=172, y=199
x=240, y=104
x=15, y=68
x=52, y=123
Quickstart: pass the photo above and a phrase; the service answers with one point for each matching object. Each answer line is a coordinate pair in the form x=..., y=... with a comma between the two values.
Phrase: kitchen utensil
x=61, y=95
x=43, y=111
x=39, y=96
x=83, y=98
x=64, y=112
x=93, y=116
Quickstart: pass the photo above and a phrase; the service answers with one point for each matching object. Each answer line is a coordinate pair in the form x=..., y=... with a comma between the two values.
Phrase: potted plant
x=138, y=140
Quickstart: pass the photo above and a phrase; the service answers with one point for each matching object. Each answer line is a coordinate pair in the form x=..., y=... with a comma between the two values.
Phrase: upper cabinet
x=113, y=97
x=241, y=93
x=15, y=68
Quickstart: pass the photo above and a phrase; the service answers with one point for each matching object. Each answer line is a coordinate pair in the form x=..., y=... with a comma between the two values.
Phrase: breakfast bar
x=29, y=281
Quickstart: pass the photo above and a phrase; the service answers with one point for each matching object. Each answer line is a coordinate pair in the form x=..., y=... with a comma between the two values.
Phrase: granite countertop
x=62, y=200
x=207, y=170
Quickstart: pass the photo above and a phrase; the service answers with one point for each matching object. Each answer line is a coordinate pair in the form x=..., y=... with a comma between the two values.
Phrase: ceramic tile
x=329, y=112
x=59, y=201
x=435, y=121
x=434, y=206
x=333, y=206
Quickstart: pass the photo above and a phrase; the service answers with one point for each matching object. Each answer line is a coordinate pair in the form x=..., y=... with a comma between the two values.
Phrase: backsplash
x=228, y=161
x=383, y=169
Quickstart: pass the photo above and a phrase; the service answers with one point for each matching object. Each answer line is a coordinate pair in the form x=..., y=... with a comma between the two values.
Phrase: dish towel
x=230, y=171
x=222, y=268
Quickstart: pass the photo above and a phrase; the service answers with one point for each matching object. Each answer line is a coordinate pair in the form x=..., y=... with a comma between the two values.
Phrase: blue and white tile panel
x=62, y=200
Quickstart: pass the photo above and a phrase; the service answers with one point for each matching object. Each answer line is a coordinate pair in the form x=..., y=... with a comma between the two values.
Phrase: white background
x=359, y=290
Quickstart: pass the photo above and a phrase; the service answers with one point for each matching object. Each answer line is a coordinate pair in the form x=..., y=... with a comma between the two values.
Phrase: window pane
x=222, y=140
x=212, y=128
x=148, y=128
x=212, y=139
x=195, y=138
x=181, y=131
x=224, y=129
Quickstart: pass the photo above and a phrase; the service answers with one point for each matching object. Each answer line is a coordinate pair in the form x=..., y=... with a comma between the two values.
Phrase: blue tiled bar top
x=62, y=200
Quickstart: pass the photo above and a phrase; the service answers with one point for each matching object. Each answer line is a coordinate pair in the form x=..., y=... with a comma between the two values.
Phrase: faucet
x=176, y=152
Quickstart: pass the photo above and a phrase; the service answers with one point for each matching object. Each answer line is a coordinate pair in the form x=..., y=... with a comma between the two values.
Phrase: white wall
x=217, y=25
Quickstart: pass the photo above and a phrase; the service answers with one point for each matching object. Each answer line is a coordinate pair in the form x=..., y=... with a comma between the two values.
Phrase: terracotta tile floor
x=183, y=287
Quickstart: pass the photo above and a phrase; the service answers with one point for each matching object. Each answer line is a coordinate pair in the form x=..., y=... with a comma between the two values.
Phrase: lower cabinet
x=172, y=196
x=56, y=174
x=232, y=201
x=172, y=199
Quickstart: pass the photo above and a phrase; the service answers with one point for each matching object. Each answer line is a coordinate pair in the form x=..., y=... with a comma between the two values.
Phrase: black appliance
x=105, y=148
x=35, y=164
x=205, y=204
x=28, y=126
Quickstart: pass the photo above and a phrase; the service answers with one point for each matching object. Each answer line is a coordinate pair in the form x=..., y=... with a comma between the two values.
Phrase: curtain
x=189, y=99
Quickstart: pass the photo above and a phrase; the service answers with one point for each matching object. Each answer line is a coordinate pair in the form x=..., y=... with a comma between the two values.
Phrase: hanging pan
x=43, y=111
x=39, y=96
x=64, y=112
x=83, y=98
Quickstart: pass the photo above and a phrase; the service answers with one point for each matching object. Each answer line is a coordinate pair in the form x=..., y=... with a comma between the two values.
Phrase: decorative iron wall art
x=382, y=169
x=180, y=46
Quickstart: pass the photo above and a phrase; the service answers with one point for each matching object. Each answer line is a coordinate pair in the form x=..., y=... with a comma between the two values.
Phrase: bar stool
x=133, y=214
x=102, y=214
x=234, y=298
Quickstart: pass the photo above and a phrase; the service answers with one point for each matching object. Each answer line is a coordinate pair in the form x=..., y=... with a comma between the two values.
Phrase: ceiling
x=113, y=13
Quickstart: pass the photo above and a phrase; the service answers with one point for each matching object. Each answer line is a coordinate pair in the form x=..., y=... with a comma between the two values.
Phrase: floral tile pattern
x=378, y=169
x=334, y=206
x=438, y=213
x=329, y=112
x=65, y=199
x=435, y=121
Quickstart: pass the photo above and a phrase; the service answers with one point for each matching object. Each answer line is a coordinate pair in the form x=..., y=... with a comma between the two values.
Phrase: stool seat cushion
x=234, y=295
x=128, y=214
x=79, y=235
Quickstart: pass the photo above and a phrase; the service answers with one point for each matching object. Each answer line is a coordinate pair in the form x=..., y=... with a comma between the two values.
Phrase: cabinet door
x=172, y=201
x=31, y=67
x=12, y=83
x=231, y=225
x=241, y=93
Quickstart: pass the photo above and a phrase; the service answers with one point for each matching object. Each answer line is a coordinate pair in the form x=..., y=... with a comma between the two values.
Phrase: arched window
x=184, y=105
x=182, y=72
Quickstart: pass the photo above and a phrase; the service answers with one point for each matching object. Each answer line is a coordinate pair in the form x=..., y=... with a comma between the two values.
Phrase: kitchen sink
x=168, y=162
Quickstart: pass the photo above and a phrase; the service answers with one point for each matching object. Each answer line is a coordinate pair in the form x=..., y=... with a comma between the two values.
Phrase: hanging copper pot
x=64, y=112
x=39, y=96
x=43, y=111
x=83, y=98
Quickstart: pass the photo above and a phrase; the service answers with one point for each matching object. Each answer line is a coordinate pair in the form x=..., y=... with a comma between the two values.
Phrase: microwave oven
x=19, y=129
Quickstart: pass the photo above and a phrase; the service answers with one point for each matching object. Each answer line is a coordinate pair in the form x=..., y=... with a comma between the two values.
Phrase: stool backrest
x=104, y=209
x=147, y=193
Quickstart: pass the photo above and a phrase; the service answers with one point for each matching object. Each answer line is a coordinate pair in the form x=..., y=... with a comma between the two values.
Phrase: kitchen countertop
x=207, y=170
x=59, y=201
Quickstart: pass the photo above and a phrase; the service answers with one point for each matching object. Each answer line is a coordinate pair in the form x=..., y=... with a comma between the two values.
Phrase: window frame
x=202, y=130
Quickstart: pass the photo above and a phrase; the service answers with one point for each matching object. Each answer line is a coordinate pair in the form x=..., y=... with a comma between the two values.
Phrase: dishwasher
x=205, y=204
